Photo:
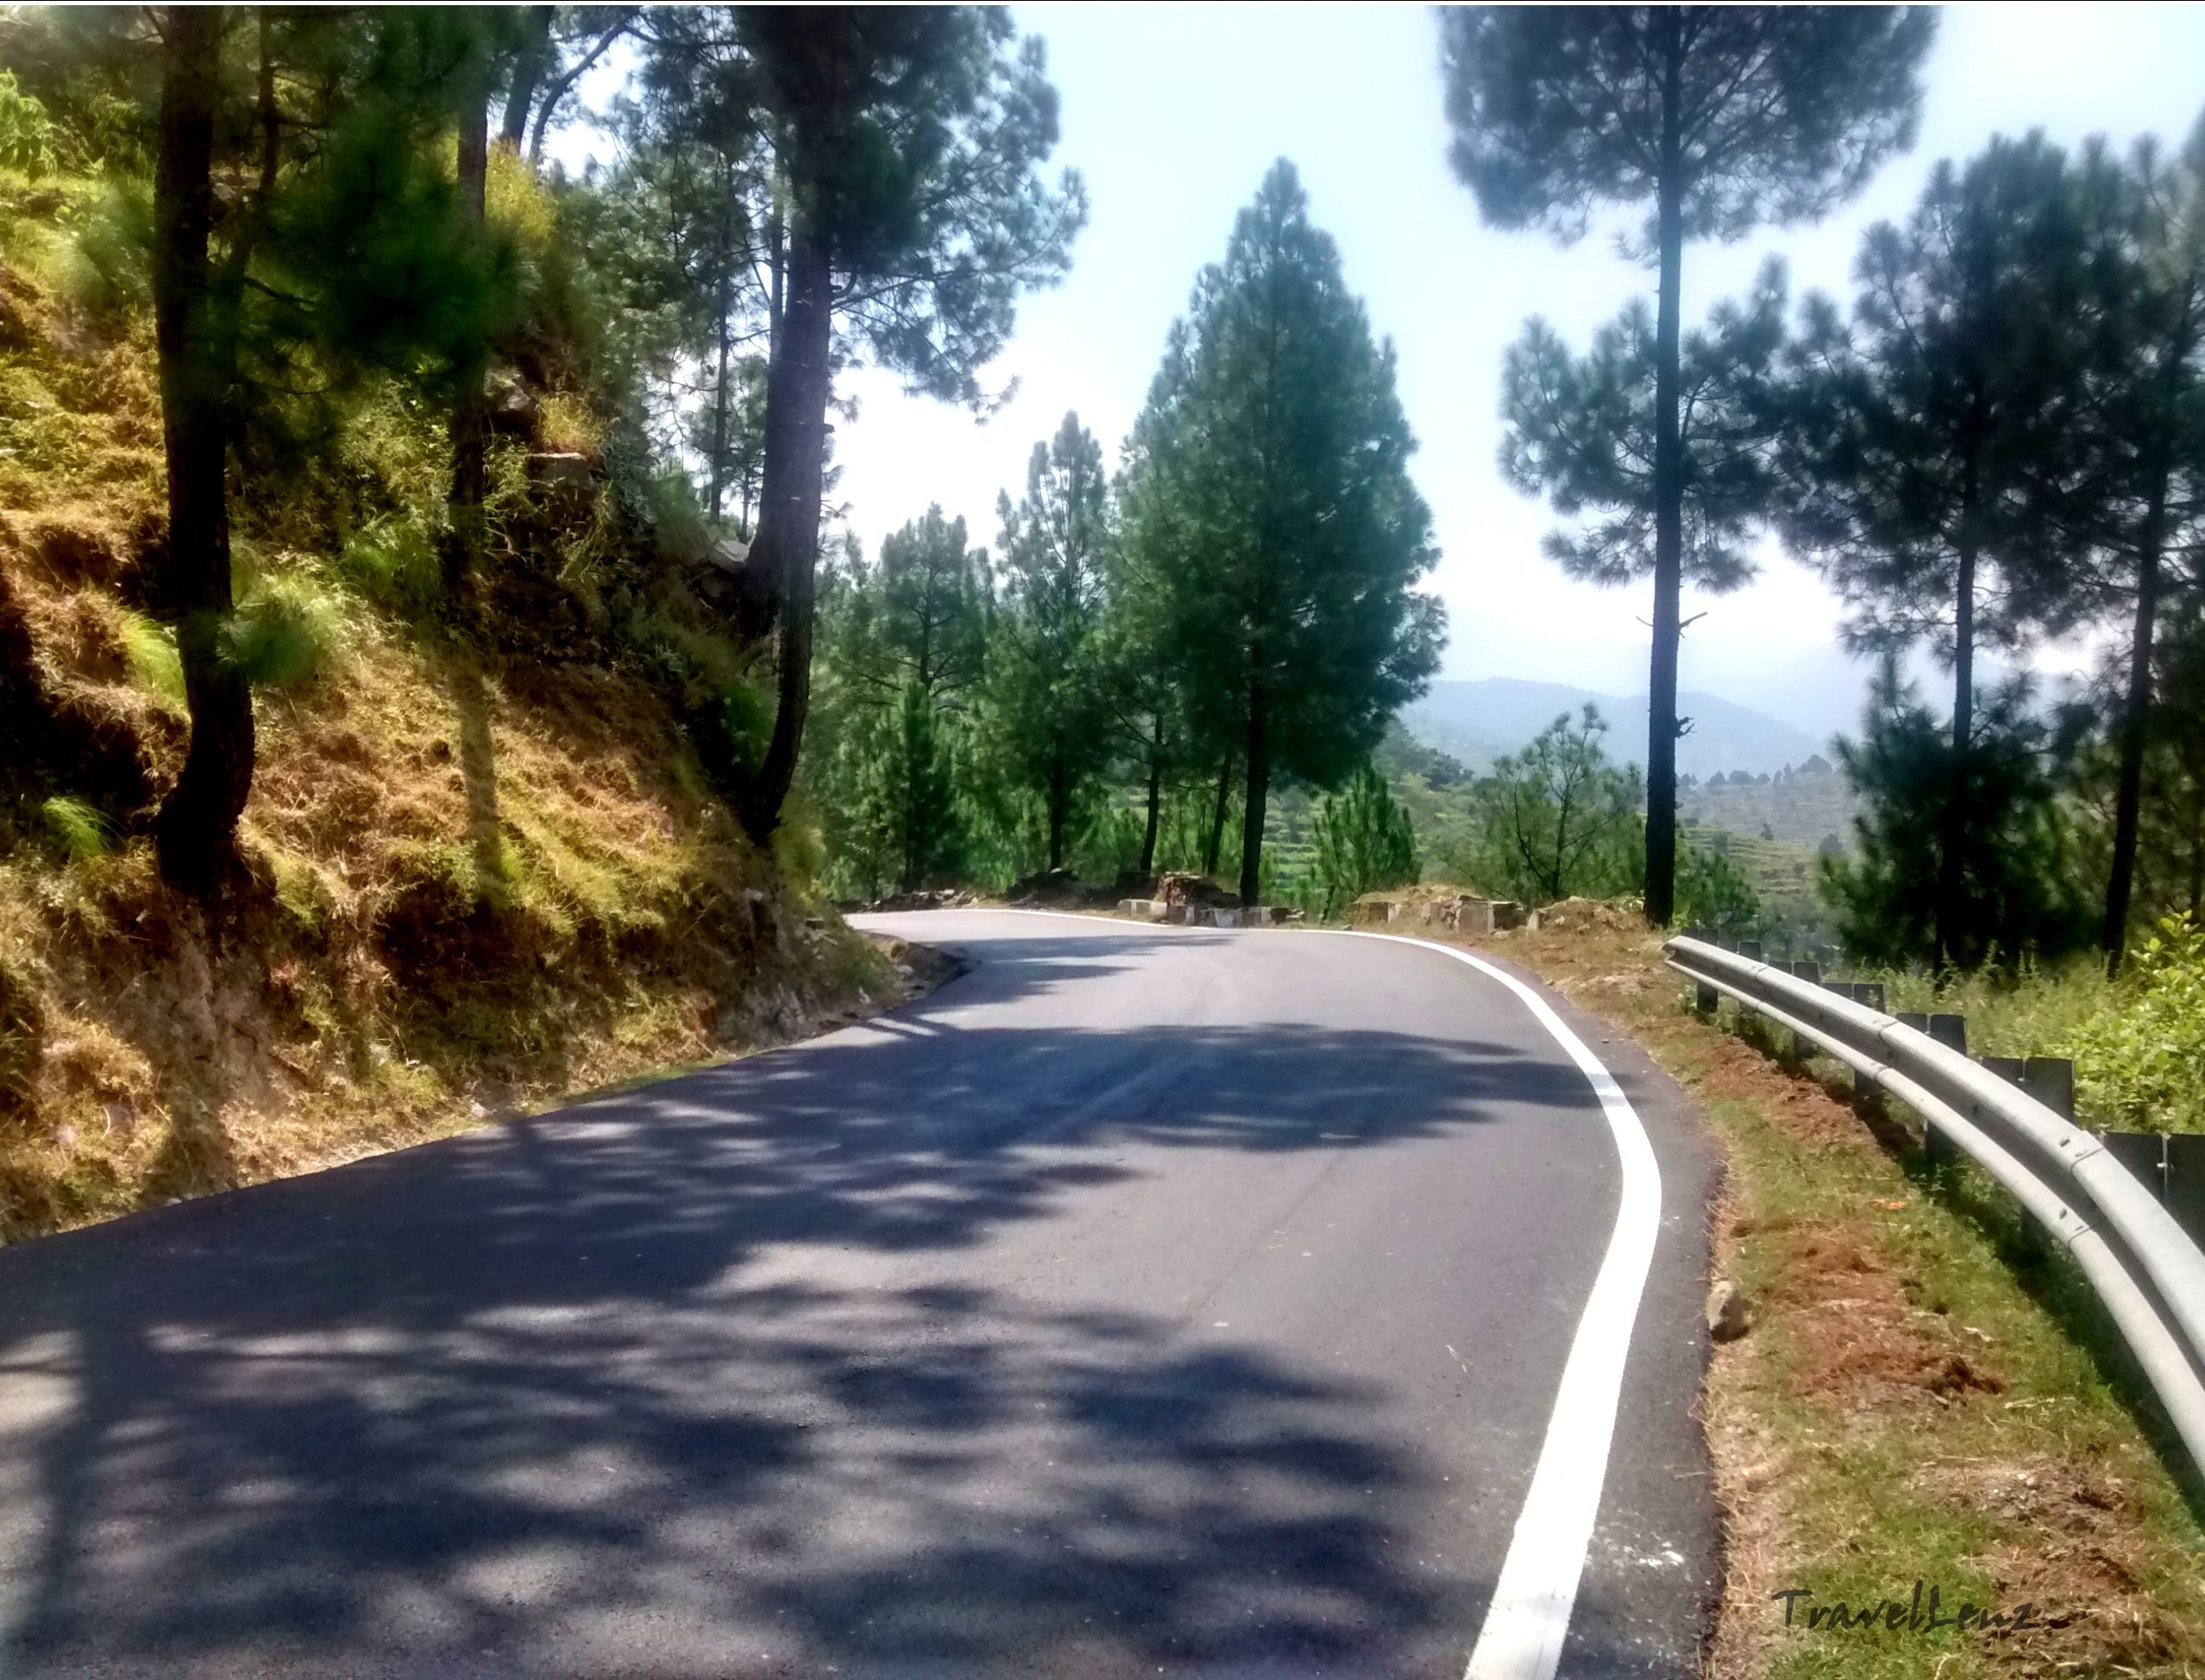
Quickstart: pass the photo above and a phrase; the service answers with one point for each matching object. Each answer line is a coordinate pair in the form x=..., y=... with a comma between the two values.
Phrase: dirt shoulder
x=1918, y=1394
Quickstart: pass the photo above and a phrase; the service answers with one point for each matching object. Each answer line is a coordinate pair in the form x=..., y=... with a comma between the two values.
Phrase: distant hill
x=1803, y=809
x=1478, y=721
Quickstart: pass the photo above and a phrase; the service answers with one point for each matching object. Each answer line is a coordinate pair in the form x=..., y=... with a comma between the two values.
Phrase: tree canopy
x=1293, y=534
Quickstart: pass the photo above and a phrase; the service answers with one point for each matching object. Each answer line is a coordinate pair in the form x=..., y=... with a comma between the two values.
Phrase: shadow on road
x=514, y=1392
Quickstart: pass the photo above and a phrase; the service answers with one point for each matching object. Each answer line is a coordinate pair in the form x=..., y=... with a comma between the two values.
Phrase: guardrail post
x=1810, y=971
x=2185, y=1185
x=2143, y=1153
x=1951, y=1032
x=1751, y=949
x=2015, y=1071
x=2050, y=1080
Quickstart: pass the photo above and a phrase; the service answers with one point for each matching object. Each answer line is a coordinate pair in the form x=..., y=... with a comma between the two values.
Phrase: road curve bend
x=1145, y=1300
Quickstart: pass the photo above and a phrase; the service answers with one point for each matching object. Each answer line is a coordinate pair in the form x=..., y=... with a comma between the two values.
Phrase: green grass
x=155, y=666
x=287, y=628
x=78, y=828
x=392, y=561
x=1847, y=1462
x=2028, y=1009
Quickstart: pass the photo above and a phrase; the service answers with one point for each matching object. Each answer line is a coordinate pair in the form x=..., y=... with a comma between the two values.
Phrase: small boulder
x=1726, y=1312
x=560, y=467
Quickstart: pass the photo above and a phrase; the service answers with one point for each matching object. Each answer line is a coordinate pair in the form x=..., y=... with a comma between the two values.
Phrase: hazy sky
x=1173, y=113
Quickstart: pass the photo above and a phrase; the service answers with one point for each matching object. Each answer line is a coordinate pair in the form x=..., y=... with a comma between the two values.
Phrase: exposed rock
x=1726, y=1312
x=1182, y=889
x=513, y=409
x=1583, y=916
x=561, y=468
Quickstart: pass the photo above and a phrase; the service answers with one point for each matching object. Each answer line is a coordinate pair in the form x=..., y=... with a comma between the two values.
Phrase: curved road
x=1145, y=1300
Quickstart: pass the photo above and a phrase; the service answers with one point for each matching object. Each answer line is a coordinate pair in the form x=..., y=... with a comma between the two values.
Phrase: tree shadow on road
x=514, y=1393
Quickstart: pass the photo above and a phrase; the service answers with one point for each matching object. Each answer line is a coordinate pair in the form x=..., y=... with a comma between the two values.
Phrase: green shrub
x=2139, y=1062
x=1364, y=842
x=286, y=631
x=26, y=135
x=1712, y=893
x=79, y=829
x=392, y=561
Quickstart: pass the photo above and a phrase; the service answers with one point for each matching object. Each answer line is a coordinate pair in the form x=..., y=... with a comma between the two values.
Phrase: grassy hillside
x=485, y=864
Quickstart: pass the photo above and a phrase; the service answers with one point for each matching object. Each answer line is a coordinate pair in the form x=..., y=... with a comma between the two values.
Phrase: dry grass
x=1920, y=1395
x=482, y=866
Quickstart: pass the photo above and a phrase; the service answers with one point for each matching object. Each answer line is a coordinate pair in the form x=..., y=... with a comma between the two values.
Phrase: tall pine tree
x=1583, y=432
x=2144, y=506
x=1274, y=434
x=1721, y=117
x=1930, y=443
x=1048, y=698
x=908, y=142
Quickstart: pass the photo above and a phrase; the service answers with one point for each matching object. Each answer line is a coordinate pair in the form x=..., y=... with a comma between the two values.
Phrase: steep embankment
x=484, y=863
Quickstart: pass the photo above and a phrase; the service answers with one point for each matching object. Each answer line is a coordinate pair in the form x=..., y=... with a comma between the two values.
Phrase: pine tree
x=198, y=819
x=1930, y=441
x=1713, y=894
x=341, y=248
x=1723, y=118
x=917, y=778
x=913, y=624
x=1294, y=537
x=908, y=143
x=1046, y=683
x=1584, y=431
x=1364, y=841
x=2018, y=895
x=2144, y=503
x=1559, y=819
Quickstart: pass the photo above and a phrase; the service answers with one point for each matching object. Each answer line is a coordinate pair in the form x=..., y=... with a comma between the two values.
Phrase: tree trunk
x=574, y=72
x=1259, y=788
x=1155, y=797
x=2197, y=861
x=777, y=277
x=2135, y=715
x=724, y=303
x=781, y=575
x=801, y=306
x=1215, y=848
x=469, y=425
x=1059, y=797
x=1952, y=838
x=196, y=830
x=528, y=72
x=1669, y=512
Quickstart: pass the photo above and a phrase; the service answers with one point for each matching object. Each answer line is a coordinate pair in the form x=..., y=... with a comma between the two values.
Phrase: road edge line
x=1527, y=1623
x=1527, y=1620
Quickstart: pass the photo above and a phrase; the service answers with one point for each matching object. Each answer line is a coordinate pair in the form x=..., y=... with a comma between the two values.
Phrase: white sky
x=1174, y=114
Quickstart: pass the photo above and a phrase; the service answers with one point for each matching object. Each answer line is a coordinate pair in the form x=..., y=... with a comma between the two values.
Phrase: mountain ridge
x=1479, y=720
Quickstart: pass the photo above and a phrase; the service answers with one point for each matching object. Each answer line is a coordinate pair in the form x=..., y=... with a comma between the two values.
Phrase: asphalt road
x=1145, y=1300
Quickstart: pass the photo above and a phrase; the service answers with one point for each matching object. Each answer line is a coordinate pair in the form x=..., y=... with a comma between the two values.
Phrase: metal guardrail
x=2148, y=1273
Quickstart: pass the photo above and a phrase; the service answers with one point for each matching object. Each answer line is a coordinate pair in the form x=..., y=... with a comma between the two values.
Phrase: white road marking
x=1528, y=1617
